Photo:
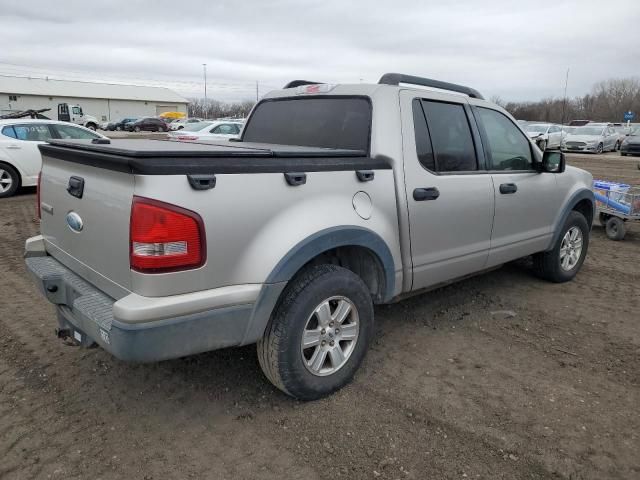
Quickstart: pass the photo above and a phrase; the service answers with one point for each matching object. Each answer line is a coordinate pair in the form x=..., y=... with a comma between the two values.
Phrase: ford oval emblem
x=74, y=221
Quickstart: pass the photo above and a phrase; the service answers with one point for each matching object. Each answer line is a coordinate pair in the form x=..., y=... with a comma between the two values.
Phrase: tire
x=91, y=126
x=136, y=129
x=600, y=148
x=542, y=145
x=549, y=265
x=118, y=128
x=9, y=180
x=615, y=229
x=622, y=154
x=617, y=147
x=285, y=362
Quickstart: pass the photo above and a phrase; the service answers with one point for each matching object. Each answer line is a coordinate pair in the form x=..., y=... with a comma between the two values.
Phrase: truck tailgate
x=88, y=231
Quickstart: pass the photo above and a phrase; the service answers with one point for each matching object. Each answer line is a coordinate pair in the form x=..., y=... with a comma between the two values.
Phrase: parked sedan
x=180, y=123
x=147, y=124
x=20, y=159
x=631, y=143
x=220, y=130
x=120, y=124
x=546, y=135
x=594, y=138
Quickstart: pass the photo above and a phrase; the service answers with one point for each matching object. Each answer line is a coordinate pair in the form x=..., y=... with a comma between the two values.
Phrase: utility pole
x=564, y=102
x=204, y=66
x=257, y=91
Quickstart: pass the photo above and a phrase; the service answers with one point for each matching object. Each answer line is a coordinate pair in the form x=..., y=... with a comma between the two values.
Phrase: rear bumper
x=88, y=314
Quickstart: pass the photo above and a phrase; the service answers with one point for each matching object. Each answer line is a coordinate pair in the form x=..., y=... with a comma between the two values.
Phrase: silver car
x=593, y=138
x=545, y=135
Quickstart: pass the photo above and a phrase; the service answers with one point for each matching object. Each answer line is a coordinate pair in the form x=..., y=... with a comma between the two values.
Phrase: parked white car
x=20, y=159
x=218, y=130
x=545, y=135
x=180, y=123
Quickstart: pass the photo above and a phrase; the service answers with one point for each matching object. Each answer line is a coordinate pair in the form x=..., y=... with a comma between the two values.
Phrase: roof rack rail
x=299, y=83
x=398, y=78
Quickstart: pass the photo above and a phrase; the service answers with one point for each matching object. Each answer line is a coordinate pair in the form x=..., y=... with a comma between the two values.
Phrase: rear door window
x=451, y=138
x=328, y=122
x=32, y=132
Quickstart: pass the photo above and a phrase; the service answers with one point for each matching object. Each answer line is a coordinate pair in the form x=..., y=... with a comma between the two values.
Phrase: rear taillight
x=38, y=210
x=165, y=238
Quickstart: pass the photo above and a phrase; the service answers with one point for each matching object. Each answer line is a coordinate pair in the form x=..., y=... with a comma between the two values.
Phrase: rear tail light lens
x=38, y=208
x=165, y=238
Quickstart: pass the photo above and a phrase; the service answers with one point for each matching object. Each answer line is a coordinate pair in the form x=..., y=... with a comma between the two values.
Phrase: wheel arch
x=358, y=249
x=581, y=201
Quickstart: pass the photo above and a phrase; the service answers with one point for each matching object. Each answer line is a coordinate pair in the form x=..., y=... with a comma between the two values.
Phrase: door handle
x=13, y=147
x=507, y=188
x=423, y=194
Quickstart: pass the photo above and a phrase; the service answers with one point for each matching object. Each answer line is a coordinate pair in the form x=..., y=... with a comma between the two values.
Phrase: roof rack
x=398, y=78
x=298, y=83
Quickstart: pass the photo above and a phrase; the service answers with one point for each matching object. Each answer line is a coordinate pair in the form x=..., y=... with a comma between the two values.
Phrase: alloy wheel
x=571, y=248
x=330, y=336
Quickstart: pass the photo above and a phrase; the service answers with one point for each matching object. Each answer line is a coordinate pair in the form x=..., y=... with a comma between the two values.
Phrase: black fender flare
x=582, y=194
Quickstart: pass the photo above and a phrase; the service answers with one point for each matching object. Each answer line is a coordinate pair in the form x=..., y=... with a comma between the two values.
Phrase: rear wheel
x=318, y=334
x=614, y=228
x=563, y=261
x=9, y=180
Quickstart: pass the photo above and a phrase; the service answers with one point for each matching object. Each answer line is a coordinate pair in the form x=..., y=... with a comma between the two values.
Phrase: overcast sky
x=514, y=49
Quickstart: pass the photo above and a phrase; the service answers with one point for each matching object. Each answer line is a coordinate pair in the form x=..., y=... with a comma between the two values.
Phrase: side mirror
x=553, y=162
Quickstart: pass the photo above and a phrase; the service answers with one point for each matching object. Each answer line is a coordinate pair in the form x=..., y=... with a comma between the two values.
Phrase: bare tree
x=607, y=102
x=216, y=109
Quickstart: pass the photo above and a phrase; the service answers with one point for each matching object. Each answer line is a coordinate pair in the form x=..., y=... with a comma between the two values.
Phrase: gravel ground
x=500, y=376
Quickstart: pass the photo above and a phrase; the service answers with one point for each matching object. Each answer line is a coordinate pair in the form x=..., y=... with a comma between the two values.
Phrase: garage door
x=166, y=108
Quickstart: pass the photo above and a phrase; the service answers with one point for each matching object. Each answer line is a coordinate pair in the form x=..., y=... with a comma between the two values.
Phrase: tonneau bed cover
x=161, y=157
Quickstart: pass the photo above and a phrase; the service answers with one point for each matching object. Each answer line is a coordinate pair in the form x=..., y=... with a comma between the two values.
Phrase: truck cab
x=74, y=114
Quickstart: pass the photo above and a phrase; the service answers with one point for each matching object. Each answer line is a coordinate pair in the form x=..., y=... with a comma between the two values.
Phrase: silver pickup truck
x=335, y=198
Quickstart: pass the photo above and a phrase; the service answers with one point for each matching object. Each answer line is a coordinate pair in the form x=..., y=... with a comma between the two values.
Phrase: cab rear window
x=326, y=122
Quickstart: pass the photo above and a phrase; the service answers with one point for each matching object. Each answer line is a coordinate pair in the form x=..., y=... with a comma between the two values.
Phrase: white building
x=105, y=101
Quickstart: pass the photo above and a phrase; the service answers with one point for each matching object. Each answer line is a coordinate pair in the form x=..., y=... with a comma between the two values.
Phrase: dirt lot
x=500, y=376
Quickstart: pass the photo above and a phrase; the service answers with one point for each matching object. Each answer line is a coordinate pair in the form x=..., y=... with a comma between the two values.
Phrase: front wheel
x=600, y=148
x=136, y=129
x=318, y=334
x=563, y=261
x=542, y=145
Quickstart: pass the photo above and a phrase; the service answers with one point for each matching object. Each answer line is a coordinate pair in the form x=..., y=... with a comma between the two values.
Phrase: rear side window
x=508, y=148
x=326, y=122
x=450, y=134
x=9, y=132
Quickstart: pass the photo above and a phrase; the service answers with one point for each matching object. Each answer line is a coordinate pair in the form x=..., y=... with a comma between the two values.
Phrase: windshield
x=325, y=122
x=194, y=127
x=536, y=127
x=587, y=131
